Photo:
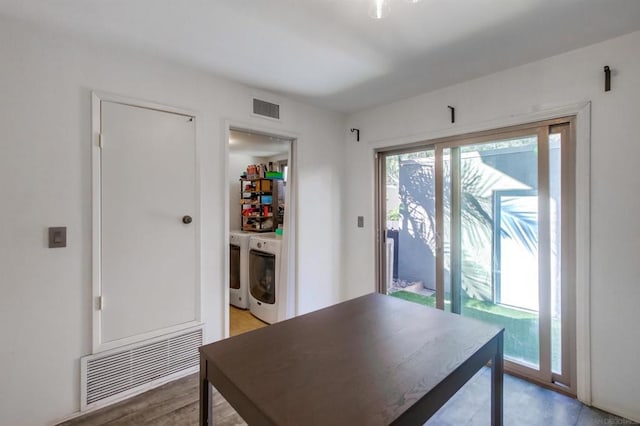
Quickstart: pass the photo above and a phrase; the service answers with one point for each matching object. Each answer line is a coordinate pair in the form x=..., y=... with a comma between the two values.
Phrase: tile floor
x=525, y=404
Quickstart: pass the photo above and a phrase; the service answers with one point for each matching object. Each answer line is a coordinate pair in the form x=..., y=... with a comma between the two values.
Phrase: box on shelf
x=263, y=186
x=274, y=175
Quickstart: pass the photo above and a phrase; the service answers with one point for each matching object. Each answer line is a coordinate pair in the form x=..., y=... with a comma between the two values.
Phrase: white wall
x=45, y=180
x=615, y=178
x=279, y=157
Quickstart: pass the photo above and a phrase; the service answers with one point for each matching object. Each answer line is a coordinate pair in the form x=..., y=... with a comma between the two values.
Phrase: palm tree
x=479, y=183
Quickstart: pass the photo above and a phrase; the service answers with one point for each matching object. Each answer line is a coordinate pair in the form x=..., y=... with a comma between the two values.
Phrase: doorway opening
x=261, y=197
x=483, y=226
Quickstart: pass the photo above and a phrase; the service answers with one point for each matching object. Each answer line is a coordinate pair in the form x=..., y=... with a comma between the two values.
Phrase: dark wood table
x=374, y=360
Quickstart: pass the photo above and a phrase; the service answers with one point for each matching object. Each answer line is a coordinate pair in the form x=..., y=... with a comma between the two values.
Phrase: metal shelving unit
x=259, y=200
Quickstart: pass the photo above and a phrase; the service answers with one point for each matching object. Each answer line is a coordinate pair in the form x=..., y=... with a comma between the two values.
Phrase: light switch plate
x=360, y=221
x=57, y=236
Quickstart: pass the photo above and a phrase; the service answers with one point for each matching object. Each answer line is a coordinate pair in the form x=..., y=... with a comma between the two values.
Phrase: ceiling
x=329, y=52
x=256, y=145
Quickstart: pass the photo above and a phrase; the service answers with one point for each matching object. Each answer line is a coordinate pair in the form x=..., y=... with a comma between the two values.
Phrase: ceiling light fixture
x=379, y=9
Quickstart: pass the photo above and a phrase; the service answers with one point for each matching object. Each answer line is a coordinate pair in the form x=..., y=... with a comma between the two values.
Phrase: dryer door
x=262, y=276
x=234, y=271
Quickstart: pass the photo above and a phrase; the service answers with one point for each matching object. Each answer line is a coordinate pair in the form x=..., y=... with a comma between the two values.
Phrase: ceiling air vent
x=266, y=109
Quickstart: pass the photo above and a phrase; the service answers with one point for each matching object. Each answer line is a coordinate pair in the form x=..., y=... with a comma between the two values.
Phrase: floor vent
x=266, y=109
x=107, y=377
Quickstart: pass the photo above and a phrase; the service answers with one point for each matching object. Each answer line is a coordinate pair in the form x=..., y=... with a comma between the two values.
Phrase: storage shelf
x=256, y=230
x=252, y=195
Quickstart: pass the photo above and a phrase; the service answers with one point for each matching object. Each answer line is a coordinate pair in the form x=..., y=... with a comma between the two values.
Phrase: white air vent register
x=110, y=376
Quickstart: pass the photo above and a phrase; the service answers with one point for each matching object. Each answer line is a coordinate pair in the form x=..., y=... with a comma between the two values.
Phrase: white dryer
x=267, y=294
x=239, y=269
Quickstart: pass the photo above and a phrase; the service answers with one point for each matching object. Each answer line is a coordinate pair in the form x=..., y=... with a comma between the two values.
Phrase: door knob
x=187, y=219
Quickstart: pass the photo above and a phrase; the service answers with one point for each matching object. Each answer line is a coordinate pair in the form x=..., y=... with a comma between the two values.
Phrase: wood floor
x=173, y=404
x=241, y=321
x=525, y=404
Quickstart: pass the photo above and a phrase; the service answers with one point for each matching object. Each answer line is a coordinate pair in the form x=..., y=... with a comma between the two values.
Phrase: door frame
x=581, y=128
x=291, y=234
x=96, y=205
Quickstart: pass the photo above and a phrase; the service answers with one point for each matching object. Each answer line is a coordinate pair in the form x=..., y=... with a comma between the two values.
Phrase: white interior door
x=148, y=255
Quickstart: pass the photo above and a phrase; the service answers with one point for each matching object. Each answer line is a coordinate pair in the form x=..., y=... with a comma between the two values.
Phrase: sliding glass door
x=482, y=227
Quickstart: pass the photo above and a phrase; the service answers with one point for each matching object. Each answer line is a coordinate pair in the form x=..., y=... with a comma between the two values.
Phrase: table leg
x=205, y=400
x=497, y=377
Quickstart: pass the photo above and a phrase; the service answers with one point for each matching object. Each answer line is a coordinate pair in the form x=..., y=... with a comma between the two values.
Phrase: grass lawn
x=521, y=327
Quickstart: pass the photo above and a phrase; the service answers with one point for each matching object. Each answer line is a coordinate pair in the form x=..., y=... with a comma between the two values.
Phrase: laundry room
x=260, y=219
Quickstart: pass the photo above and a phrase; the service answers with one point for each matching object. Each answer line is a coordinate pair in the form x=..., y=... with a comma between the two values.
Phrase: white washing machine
x=239, y=269
x=267, y=294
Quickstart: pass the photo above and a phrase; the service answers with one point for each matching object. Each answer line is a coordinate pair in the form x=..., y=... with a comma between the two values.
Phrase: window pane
x=499, y=241
x=555, y=204
x=411, y=226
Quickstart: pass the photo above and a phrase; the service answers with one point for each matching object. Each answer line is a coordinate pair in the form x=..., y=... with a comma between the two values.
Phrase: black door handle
x=187, y=219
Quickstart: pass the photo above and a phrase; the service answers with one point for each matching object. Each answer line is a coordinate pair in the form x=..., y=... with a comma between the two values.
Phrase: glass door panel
x=562, y=254
x=555, y=212
x=445, y=230
x=494, y=236
x=409, y=226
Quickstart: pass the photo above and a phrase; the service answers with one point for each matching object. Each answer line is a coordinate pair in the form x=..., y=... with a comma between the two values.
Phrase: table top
x=364, y=361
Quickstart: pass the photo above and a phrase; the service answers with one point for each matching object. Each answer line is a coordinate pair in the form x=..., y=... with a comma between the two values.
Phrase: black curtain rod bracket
x=607, y=78
x=453, y=113
x=357, y=134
